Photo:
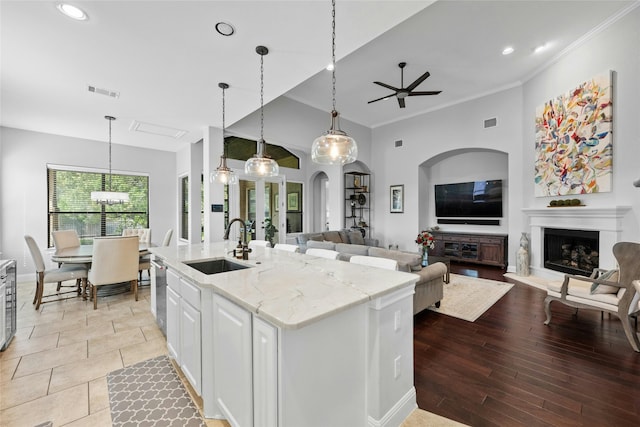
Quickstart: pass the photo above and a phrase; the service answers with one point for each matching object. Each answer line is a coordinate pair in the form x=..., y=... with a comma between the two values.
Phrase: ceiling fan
x=403, y=92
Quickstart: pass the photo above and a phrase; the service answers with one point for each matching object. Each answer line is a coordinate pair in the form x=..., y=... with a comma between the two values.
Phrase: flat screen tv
x=469, y=199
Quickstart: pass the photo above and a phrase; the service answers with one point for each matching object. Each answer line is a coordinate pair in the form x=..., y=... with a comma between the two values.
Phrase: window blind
x=70, y=206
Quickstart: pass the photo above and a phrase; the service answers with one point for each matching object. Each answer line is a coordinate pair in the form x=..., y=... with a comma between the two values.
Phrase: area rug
x=150, y=393
x=467, y=297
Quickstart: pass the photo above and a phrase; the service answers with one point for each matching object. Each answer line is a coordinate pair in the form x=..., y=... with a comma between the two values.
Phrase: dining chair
x=286, y=247
x=115, y=260
x=145, y=260
x=373, y=261
x=53, y=275
x=63, y=239
x=167, y=237
x=259, y=244
x=144, y=236
x=323, y=253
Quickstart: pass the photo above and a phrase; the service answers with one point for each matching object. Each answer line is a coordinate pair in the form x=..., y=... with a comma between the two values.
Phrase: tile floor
x=55, y=368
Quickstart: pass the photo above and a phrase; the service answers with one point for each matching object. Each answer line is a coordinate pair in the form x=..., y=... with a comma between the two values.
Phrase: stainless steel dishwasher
x=159, y=287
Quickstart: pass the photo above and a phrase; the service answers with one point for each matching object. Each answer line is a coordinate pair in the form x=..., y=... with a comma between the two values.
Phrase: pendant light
x=109, y=197
x=261, y=165
x=223, y=174
x=335, y=147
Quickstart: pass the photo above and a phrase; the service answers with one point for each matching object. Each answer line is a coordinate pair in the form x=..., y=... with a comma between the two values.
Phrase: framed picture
x=293, y=202
x=397, y=198
x=277, y=202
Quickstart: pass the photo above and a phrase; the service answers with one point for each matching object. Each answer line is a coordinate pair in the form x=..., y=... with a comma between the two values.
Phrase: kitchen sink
x=215, y=266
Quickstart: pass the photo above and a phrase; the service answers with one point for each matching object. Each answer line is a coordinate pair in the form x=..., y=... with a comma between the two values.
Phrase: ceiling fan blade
x=401, y=102
x=420, y=79
x=395, y=89
x=380, y=99
x=429, y=92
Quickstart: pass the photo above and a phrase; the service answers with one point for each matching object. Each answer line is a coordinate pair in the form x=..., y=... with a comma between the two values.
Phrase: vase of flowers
x=426, y=242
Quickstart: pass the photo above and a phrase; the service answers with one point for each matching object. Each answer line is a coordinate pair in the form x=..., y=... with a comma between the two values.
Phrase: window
x=184, y=207
x=70, y=205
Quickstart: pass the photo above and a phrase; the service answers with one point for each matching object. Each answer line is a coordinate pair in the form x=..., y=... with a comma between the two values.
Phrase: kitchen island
x=291, y=339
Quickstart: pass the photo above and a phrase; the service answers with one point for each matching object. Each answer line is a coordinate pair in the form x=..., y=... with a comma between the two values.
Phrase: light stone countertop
x=289, y=290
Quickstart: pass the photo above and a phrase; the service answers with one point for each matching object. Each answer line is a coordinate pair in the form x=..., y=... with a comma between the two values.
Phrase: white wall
x=615, y=48
x=431, y=137
x=425, y=158
x=23, y=178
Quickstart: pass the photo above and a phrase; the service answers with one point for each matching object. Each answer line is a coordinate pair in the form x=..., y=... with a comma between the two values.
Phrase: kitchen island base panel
x=351, y=369
x=296, y=340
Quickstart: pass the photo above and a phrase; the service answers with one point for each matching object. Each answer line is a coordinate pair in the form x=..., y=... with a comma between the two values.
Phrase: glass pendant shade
x=109, y=197
x=261, y=165
x=335, y=147
x=223, y=174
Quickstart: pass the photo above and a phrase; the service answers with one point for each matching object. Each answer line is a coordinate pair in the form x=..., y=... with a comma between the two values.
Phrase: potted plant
x=270, y=230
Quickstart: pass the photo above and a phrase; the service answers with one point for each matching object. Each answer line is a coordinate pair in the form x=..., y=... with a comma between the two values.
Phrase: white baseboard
x=398, y=413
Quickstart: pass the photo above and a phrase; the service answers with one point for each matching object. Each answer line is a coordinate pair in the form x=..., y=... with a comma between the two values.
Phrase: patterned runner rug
x=467, y=297
x=150, y=393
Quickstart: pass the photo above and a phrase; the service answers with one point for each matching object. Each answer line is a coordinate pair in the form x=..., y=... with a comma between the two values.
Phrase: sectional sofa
x=429, y=288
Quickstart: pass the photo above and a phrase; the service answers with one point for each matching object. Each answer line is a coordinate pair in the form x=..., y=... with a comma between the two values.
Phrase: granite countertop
x=289, y=290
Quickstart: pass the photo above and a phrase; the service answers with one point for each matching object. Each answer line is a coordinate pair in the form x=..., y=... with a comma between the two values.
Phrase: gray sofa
x=429, y=286
x=337, y=236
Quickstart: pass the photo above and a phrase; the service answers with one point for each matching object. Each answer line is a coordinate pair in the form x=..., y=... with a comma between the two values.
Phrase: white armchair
x=613, y=293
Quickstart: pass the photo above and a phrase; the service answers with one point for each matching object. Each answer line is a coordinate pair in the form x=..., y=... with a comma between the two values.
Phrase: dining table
x=83, y=254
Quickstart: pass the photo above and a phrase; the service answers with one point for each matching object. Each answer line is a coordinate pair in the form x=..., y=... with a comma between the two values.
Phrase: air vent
x=399, y=143
x=100, y=91
x=489, y=123
x=137, y=126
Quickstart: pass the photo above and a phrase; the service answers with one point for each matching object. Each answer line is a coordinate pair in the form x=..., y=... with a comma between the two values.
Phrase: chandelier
x=109, y=197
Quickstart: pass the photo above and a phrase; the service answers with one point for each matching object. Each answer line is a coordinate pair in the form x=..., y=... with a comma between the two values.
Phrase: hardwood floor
x=508, y=369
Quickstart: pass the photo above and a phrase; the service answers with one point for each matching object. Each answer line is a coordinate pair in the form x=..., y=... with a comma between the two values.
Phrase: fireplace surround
x=607, y=221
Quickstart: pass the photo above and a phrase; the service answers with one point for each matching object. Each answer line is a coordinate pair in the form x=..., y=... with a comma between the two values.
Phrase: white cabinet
x=265, y=373
x=173, y=324
x=184, y=336
x=233, y=361
x=191, y=344
x=3, y=310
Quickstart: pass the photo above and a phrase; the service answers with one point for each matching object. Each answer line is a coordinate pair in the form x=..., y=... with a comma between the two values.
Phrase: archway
x=319, y=192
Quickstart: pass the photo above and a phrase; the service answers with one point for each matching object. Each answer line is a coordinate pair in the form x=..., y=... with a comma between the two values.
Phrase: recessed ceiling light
x=540, y=48
x=330, y=67
x=508, y=50
x=72, y=11
x=225, y=29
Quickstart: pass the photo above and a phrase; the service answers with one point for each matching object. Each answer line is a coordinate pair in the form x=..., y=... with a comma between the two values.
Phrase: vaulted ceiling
x=165, y=59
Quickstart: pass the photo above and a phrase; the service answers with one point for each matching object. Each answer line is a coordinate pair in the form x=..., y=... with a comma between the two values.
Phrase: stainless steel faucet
x=245, y=241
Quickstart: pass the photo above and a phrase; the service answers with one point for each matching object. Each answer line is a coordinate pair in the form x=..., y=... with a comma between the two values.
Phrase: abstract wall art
x=573, y=141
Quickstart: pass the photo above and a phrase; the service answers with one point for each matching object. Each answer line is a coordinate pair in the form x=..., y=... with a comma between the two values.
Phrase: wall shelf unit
x=357, y=203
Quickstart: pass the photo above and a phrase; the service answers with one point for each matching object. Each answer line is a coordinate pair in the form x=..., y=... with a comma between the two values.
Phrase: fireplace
x=608, y=222
x=571, y=251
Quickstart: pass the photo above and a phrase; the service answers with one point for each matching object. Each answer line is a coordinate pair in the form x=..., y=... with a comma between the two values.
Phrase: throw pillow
x=332, y=236
x=355, y=237
x=598, y=288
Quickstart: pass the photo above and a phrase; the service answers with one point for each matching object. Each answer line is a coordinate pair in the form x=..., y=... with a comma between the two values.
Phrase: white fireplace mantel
x=608, y=221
